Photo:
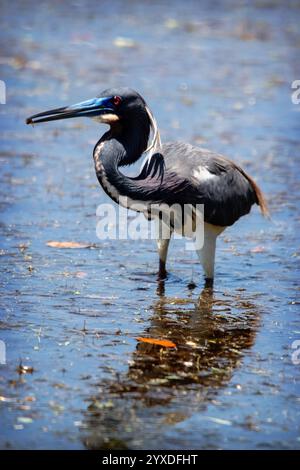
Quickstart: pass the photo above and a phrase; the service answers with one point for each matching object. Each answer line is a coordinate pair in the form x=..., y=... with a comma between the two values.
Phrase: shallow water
x=75, y=375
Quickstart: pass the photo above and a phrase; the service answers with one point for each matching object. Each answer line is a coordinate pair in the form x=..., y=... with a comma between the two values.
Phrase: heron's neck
x=116, y=148
x=132, y=138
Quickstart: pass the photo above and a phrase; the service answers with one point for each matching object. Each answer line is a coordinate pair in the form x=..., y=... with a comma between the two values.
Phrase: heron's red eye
x=117, y=100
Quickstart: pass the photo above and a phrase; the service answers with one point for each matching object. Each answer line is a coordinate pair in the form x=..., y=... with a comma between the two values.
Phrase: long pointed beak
x=89, y=108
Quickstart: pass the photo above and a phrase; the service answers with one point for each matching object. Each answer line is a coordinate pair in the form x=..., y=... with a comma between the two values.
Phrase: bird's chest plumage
x=109, y=188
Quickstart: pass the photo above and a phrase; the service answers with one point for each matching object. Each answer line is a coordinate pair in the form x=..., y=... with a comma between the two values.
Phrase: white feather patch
x=203, y=174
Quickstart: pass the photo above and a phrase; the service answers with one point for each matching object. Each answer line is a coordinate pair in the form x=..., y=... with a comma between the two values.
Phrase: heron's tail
x=261, y=200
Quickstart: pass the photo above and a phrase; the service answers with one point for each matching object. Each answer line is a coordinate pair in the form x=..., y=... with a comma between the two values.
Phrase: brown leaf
x=80, y=274
x=29, y=398
x=258, y=249
x=160, y=342
x=55, y=244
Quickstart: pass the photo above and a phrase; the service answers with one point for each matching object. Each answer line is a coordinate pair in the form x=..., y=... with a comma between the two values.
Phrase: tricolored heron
x=174, y=173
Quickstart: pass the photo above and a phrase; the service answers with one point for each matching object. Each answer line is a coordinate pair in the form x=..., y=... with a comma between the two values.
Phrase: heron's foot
x=162, y=272
x=162, y=275
x=209, y=282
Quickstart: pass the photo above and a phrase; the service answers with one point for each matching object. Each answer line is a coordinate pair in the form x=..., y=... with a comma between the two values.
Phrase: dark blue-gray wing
x=227, y=195
x=198, y=176
x=183, y=174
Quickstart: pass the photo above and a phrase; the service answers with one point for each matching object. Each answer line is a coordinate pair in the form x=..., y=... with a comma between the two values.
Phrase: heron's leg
x=162, y=245
x=207, y=255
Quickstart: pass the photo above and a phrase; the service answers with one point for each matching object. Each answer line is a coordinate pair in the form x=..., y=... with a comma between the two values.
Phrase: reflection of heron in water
x=166, y=385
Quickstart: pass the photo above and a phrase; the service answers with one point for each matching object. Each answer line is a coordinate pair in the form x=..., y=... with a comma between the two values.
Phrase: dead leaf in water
x=124, y=42
x=55, y=244
x=225, y=422
x=7, y=399
x=258, y=249
x=24, y=420
x=80, y=274
x=171, y=23
x=29, y=398
x=160, y=342
x=21, y=369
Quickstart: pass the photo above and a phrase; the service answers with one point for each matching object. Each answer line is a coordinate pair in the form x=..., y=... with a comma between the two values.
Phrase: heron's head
x=111, y=106
x=121, y=108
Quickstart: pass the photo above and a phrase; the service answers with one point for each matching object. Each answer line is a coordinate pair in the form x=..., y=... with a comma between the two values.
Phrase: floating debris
x=258, y=249
x=21, y=369
x=7, y=399
x=124, y=42
x=24, y=420
x=55, y=244
x=171, y=23
x=160, y=342
x=225, y=422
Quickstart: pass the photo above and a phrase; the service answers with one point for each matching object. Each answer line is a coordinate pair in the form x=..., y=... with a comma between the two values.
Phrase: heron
x=172, y=173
